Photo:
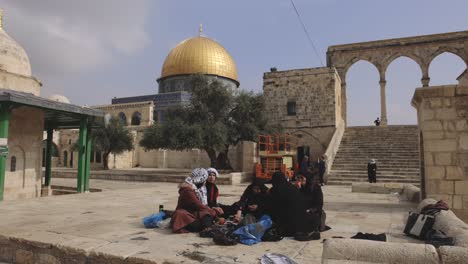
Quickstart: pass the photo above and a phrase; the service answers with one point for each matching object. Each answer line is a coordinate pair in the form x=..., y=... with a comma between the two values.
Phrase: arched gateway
x=381, y=53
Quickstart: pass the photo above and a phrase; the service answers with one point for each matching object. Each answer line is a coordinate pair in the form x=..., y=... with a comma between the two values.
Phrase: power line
x=307, y=33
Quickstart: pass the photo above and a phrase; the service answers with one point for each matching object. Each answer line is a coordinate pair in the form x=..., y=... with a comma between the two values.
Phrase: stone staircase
x=395, y=148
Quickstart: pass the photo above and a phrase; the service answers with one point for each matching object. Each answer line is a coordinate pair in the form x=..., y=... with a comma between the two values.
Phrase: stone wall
x=19, y=83
x=25, y=144
x=317, y=95
x=442, y=119
x=146, y=110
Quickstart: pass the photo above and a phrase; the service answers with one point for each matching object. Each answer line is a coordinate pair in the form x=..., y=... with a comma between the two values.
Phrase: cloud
x=76, y=36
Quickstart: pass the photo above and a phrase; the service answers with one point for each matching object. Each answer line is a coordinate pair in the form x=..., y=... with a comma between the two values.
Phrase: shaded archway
x=136, y=118
x=363, y=95
x=403, y=75
x=123, y=118
x=445, y=68
x=65, y=158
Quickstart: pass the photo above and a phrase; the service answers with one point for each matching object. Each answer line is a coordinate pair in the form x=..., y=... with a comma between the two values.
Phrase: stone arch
x=355, y=60
x=123, y=118
x=457, y=52
x=307, y=138
x=387, y=62
x=362, y=78
x=402, y=75
x=136, y=118
x=442, y=52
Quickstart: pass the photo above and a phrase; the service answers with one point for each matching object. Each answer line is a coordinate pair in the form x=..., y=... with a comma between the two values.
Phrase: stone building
x=307, y=104
x=24, y=116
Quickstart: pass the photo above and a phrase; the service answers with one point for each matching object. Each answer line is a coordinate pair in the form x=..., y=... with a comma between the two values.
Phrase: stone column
x=425, y=75
x=383, y=103
x=343, y=103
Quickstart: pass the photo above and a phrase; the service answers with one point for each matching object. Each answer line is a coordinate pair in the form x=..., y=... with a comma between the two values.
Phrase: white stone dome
x=59, y=98
x=13, y=58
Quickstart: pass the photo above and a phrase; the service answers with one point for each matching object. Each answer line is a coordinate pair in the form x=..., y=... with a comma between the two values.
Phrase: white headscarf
x=199, y=176
x=210, y=170
x=372, y=161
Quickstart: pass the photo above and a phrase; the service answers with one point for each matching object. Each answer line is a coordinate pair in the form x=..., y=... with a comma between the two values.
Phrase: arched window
x=65, y=158
x=136, y=119
x=71, y=159
x=13, y=164
x=123, y=118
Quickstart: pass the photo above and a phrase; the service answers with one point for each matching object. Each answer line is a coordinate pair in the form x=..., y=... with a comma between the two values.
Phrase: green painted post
x=88, y=156
x=4, y=122
x=48, y=157
x=82, y=154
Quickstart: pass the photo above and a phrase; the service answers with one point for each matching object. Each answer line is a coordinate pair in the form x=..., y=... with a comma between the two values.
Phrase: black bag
x=438, y=238
x=418, y=225
x=272, y=235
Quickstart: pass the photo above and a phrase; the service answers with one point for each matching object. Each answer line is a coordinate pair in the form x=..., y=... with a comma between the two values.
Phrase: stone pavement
x=109, y=222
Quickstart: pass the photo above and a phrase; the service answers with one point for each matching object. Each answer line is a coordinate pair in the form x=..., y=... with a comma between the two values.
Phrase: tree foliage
x=115, y=138
x=214, y=120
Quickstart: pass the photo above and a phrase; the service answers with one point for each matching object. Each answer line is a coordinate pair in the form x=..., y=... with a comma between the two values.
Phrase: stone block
x=461, y=125
x=454, y=173
x=435, y=102
x=446, y=114
x=427, y=115
x=24, y=257
x=432, y=126
x=378, y=252
x=458, y=202
x=435, y=172
x=428, y=159
x=433, y=135
x=443, y=158
x=46, y=259
x=447, y=102
x=461, y=187
x=441, y=145
x=463, y=142
x=453, y=255
x=448, y=126
x=440, y=186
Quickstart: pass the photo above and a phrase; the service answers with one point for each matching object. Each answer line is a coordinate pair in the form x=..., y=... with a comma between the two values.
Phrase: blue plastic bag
x=152, y=220
x=253, y=233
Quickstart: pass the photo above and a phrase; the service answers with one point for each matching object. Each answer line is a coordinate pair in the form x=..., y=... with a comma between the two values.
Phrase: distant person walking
x=372, y=171
x=321, y=168
x=377, y=122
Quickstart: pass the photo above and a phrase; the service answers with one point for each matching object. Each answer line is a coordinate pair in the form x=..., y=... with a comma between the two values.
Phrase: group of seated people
x=296, y=207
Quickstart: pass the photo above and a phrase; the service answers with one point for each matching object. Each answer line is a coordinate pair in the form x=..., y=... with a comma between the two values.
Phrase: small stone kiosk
x=24, y=115
x=443, y=123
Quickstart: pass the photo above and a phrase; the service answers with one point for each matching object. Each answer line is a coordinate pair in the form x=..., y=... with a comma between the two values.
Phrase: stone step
x=138, y=176
x=347, y=172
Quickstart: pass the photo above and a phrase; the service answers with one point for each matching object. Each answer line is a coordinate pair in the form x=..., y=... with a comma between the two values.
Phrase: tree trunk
x=222, y=161
x=212, y=155
x=106, y=160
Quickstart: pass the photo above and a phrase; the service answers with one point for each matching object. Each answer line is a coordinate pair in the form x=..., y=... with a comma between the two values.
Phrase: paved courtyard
x=110, y=222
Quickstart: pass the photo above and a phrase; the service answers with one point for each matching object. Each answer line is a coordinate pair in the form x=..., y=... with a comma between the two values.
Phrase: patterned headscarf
x=197, y=177
x=210, y=170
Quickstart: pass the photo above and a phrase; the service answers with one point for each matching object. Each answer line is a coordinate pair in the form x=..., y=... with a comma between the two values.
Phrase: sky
x=91, y=51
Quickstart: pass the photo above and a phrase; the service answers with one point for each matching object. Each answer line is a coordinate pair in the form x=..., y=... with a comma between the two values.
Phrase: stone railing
x=333, y=146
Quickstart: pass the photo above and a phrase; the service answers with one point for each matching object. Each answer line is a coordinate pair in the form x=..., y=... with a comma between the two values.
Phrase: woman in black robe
x=289, y=210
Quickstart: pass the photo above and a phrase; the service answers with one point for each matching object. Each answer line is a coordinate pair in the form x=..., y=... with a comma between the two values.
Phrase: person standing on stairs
x=322, y=169
x=372, y=171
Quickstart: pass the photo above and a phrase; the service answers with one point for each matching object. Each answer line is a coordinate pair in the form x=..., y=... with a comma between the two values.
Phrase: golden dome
x=199, y=55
